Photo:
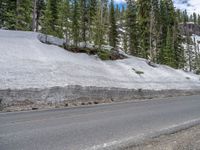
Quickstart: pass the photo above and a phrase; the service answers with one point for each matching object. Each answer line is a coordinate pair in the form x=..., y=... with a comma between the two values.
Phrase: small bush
x=198, y=72
x=104, y=55
x=188, y=78
x=138, y=72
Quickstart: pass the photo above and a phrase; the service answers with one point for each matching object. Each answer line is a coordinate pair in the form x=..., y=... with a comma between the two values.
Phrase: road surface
x=95, y=127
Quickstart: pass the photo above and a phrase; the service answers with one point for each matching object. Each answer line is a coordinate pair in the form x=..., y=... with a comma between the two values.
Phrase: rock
x=118, y=54
x=190, y=28
x=48, y=39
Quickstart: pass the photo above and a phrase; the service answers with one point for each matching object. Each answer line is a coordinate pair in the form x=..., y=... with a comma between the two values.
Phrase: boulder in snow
x=48, y=39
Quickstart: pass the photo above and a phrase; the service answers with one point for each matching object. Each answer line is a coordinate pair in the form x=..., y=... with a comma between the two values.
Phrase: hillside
x=25, y=62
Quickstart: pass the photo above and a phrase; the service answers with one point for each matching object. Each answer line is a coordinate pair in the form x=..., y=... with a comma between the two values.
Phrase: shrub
x=138, y=72
x=198, y=72
x=104, y=55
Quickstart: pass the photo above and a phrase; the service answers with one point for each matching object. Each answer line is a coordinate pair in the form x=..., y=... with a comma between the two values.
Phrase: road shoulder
x=188, y=139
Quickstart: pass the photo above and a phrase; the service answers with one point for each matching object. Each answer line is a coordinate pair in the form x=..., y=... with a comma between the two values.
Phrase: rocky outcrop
x=189, y=28
x=82, y=47
x=48, y=39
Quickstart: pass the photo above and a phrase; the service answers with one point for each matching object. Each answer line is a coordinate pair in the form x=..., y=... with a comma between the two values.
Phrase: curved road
x=95, y=127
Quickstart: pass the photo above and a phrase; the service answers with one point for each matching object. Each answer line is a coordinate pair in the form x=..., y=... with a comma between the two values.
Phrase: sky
x=190, y=5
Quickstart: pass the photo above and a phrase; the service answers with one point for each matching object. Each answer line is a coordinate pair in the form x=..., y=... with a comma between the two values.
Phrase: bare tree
x=34, y=15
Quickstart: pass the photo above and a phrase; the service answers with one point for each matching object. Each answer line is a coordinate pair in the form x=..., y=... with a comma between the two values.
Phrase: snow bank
x=25, y=62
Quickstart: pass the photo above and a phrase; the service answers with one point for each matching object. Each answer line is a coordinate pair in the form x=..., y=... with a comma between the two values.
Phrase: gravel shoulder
x=188, y=139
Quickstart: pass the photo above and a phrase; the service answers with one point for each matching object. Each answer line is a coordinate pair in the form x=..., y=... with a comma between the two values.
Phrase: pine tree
x=50, y=19
x=64, y=23
x=117, y=12
x=99, y=26
x=113, y=26
x=105, y=19
x=123, y=36
x=54, y=12
x=40, y=8
x=122, y=15
x=47, y=20
x=3, y=9
x=195, y=18
x=9, y=16
x=179, y=54
x=23, y=16
x=191, y=19
x=75, y=22
x=84, y=20
x=144, y=9
x=125, y=42
x=189, y=52
x=131, y=27
x=198, y=19
x=155, y=25
x=92, y=13
x=179, y=16
x=168, y=54
x=185, y=17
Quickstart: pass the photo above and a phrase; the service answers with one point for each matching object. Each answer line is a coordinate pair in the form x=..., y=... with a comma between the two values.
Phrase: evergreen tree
x=191, y=18
x=47, y=20
x=9, y=16
x=50, y=19
x=23, y=16
x=144, y=12
x=84, y=20
x=195, y=18
x=125, y=42
x=75, y=22
x=185, y=17
x=117, y=12
x=179, y=55
x=198, y=19
x=99, y=26
x=3, y=9
x=179, y=16
x=155, y=25
x=40, y=8
x=113, y=26
x=64, y=19
x=122, y=15
x=168, y=57
x=131, y=27
x=92, y=14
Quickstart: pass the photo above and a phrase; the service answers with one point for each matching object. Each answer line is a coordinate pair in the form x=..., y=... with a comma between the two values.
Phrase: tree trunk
x=34, y=24
x=17, y=12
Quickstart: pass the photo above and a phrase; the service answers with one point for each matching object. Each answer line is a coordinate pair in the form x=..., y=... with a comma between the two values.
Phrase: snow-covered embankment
x=31, y=70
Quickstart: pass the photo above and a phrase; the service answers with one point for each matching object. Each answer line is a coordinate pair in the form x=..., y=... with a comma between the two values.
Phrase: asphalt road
x=94, y=127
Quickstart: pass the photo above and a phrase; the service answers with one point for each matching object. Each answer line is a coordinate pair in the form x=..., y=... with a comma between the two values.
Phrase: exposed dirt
x=27, y=105
x=184, y=140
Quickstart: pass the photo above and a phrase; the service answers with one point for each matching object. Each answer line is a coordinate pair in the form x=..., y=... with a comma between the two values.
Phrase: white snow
x=25, y=62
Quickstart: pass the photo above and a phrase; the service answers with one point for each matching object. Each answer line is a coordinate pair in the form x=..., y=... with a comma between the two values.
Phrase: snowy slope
x=27, y=63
